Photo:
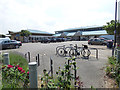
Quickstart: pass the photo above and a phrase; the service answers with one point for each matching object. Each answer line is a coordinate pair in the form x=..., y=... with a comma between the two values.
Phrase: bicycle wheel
x=57, y=48
x=78, y=52
x=72, y=52
x=61, y=52
x=67, y=49
x=85, y=52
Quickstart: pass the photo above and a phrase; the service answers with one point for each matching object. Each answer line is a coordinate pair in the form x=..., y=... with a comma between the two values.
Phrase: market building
x=36, y=35
x=82, y=33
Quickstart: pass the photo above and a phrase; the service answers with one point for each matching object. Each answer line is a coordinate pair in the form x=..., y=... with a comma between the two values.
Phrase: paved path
x=91, y=70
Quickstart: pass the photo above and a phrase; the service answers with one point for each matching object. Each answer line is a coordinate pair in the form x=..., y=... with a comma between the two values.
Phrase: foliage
x=1, y=59
x=14, y=76
x=64, y=77
x=18, y=59
x=25, y=33
x=110, y=27
x=112, y=70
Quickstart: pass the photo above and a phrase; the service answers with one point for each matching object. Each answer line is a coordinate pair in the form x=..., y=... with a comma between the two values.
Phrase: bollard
x=118, y=56
x=29, y=56
x=38, y=60
x=6, y=58
x=51, y=66
x=33, y=74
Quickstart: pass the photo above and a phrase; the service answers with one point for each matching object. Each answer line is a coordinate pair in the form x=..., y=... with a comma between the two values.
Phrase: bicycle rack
x=38, y=59
x=27, y=56
x=28, y=53
x=96, y=52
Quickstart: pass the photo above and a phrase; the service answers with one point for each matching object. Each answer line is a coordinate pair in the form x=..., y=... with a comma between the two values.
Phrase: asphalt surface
x=91, y=71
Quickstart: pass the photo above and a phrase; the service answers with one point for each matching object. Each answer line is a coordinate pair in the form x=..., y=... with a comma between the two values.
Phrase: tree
x=110, y=27
x=25, y=33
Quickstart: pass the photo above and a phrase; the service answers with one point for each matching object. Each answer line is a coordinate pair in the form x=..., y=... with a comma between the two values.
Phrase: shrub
x=64, y=77
x=14, y=76
x=113, y=68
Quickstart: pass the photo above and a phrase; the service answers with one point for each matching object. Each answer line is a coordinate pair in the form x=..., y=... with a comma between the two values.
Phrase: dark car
x=97, y=41
x=8, y=44
x=58, y=39
x=45, y=40
x=69, y=39
x=53, y=40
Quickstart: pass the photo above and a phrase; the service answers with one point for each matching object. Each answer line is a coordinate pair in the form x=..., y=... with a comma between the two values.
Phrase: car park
x=9, y=44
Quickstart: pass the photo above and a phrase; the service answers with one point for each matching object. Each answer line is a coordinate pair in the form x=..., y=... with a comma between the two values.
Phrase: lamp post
x=115, y=28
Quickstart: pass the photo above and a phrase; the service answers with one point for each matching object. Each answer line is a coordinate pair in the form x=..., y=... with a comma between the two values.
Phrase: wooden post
x=33, y=75
x=6, y=58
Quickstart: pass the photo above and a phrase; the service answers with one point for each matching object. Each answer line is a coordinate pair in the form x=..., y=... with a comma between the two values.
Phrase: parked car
x=58, y=39
x=9, y=44
x=15, y=41
x=45, y=40
x=69, y=39
x=53, y=40
x=97, y=41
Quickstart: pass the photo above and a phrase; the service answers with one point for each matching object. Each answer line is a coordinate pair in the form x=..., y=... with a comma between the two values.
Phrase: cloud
x=52, y=15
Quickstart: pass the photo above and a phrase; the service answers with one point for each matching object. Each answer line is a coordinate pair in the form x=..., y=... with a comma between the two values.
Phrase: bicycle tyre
x=57, y=48
x=67, y=49
x=61, y=52
x=85, y=53
x=72, y=52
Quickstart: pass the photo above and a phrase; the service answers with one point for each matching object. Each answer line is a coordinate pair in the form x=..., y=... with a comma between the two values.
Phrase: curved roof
x=101, y=32
x=38, y=31
x=79, y=28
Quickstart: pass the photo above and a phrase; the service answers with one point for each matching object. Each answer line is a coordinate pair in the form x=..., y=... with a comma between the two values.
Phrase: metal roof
x=71, y=34
x=94, y=32
x=38, y=31
x=83, y=27
x=57, y=35
x=38, y=36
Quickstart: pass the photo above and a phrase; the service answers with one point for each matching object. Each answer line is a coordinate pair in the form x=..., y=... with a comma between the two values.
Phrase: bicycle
x=62, y=50
x=85, y=52
x=74, y=51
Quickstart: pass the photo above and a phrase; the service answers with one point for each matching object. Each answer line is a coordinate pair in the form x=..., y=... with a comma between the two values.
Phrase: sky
x=54, y=15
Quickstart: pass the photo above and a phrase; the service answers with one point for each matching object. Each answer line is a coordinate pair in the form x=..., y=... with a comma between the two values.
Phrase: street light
x=115, y=29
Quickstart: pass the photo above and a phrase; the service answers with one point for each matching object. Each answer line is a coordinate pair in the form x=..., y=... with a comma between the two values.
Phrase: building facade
x=83, y=33
x=36, y=35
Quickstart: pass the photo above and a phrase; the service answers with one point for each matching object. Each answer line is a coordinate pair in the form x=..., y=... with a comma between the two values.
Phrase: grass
x=18, y=59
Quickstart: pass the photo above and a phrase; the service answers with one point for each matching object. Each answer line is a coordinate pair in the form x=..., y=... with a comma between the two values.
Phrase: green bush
x=64, y=77
x=113, y=69
x=14, y=76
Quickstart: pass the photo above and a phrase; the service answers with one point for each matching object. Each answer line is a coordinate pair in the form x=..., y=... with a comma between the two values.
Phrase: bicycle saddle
x=85, y=46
